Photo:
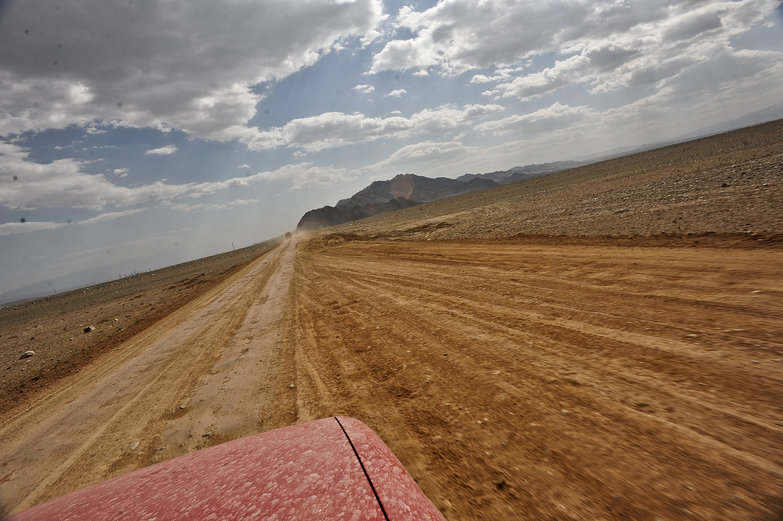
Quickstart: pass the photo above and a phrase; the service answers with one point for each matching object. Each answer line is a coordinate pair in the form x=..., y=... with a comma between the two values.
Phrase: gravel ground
x=722, y=188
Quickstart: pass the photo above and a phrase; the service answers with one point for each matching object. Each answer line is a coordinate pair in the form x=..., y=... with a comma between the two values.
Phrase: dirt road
x=194, y=379
x=556, y=382
x=514, y=381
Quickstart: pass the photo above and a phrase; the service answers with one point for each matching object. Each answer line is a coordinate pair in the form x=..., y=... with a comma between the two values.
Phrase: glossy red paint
x=307, y=471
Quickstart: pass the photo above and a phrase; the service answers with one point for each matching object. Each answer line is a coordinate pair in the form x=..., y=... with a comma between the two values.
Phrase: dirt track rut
x=514, y=381
x=557, y=382
x=193, y=379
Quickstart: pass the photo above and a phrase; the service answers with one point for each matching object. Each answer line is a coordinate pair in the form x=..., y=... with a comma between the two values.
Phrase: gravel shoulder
x=54, y=327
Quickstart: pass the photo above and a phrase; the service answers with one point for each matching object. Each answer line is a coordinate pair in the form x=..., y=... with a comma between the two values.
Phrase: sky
x=136, y=134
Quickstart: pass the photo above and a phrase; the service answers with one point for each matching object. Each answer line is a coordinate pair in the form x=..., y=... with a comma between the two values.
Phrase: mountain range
x=405, y=190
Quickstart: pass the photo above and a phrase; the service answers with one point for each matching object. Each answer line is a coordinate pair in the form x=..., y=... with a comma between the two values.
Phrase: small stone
x=564, y=411
x=27, y=354
x=692, y=335
x=88, y=329
x=133, y=445
x=291, y=386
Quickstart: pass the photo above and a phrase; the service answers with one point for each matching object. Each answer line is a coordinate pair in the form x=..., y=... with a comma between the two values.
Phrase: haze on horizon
x=135, y=135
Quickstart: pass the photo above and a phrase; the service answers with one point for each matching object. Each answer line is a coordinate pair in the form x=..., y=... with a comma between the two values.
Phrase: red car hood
x=334, y=468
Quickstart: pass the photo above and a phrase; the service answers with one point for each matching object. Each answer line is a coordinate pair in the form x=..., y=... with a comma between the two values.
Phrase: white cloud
x=603, y=46
x=455, y=36
x=36, y=226
x=162, y=151
x=501, y=73
x=60, y=183
x=206, y=207
x=120, y=172
x=243, y=165
x=423, y=154
x=63, y=184
x=421, y=73
x=305, y=175
x=545, y=120
x=110, y=216
x=397, y=93
x=364, y=89
x=741, y=83
x=481, y=78
x=27, y=227
x=185, y=65
x=690, y=25
x=94, y=130
x=334, y=129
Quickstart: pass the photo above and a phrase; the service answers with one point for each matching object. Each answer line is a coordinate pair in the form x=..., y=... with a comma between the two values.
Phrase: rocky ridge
x=406, y=190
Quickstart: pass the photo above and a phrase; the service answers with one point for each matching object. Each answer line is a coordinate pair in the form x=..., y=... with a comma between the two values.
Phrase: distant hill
x=406, y=190
x=331, y=215
x=520, y=173
x=402, y=191
x=414, y=187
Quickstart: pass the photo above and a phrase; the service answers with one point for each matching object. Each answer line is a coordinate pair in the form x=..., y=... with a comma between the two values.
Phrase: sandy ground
x=53, y=327
x=586, y=372
x=512, y=380
x=558, y=382
x=191, y=380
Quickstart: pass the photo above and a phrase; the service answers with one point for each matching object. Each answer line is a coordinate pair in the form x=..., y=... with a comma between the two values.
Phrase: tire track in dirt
x=597, y=318
x=613, y=344
x=192, y=380
x=626, y=344
x=544, y=385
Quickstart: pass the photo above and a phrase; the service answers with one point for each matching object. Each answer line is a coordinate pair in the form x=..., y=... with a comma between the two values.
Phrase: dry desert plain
x=601, y=343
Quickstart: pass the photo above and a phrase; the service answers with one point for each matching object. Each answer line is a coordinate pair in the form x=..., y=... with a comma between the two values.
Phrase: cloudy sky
x=135, y=134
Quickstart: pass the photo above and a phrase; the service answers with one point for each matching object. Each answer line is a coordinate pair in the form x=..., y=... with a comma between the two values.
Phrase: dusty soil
x=576, y=370
x=54, y=326
x=187, y=381
x=555, y=381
